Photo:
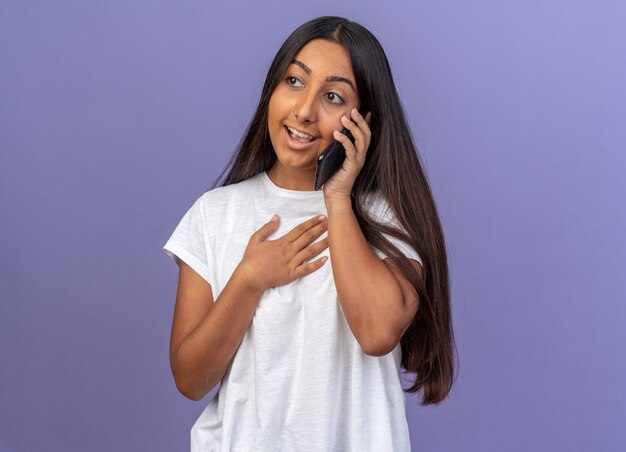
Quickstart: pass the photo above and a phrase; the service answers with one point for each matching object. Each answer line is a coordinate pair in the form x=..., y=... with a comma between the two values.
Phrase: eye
x=293, y=81
x=334, y=98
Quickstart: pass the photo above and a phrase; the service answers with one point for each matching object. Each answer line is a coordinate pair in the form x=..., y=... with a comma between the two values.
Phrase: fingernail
x=344, y=118
x=275, y=218
x=336, y=133
x=324, y=259
x=321, y=217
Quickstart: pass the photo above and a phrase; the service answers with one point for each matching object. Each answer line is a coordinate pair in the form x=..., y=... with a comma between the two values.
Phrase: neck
x=292, y=179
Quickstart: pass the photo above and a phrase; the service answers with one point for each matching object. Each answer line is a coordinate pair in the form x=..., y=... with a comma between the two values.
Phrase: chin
x=292, y=159
x=308, y=165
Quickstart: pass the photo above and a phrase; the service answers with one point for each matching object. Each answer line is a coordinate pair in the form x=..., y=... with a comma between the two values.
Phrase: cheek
x=271, y=113
x=278, y=104
x=329, y=126
x=274, y=108
x=325, y=142
x=272, y=121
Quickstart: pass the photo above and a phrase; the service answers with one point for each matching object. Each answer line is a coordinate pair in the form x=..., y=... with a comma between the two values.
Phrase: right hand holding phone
x=272, y=263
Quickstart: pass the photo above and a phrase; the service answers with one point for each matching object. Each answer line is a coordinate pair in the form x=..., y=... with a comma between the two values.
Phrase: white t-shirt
x=299, y=380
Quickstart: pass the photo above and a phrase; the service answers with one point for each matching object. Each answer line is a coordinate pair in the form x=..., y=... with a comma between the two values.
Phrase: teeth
x=300, y=134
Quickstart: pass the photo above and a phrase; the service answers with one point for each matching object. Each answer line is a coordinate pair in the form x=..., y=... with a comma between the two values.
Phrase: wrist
x=338, y=204
x=246, y=280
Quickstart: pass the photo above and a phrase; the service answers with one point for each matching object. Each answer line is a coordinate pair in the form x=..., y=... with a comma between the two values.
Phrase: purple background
x=115, y=116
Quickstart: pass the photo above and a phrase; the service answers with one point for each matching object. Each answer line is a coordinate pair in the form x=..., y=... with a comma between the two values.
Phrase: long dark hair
x=392, y=166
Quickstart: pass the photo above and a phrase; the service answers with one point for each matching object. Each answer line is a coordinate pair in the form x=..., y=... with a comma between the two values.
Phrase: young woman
x=305, y=304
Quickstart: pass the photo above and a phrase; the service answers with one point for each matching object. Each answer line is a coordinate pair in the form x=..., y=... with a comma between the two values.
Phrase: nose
x=305, y=109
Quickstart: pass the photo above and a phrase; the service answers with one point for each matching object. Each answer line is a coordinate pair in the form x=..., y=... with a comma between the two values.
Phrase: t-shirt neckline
x=302, y=194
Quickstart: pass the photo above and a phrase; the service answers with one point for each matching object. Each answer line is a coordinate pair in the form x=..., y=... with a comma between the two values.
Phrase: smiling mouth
x=299, y=137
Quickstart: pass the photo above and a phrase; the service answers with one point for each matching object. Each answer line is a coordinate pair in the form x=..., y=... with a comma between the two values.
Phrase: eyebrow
x=330, y=78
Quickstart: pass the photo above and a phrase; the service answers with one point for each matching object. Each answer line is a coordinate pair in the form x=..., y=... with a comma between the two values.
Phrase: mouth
x=298, y=139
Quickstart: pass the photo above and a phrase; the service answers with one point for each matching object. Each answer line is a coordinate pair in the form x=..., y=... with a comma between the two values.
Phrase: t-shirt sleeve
x=189, y=241
x=382, y=212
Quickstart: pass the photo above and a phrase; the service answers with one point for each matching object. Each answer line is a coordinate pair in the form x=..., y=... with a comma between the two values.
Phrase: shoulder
x=228, y=195
x=377, y=206
x=380, y=210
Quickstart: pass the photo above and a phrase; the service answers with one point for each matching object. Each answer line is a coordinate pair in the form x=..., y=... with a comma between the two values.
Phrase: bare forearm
x=203, y=357
x=370, y=296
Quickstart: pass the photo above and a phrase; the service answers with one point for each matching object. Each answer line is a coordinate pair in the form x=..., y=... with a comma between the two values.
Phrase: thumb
x=266, y=230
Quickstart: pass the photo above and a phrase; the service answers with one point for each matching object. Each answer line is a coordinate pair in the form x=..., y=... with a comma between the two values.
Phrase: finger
x=363, y=124
x=368, y=118
x=303, y=227
x=347, y=145
x=267, y=229
x=305, y=269
x=310, y=235
x=310, y=251
x=357, y=133
x=358, y=118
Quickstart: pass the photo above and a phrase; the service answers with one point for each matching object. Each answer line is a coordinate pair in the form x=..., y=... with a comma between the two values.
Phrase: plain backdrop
x=115, y=116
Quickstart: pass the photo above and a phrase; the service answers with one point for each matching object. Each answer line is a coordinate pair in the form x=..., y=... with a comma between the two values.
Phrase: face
x=306, y=107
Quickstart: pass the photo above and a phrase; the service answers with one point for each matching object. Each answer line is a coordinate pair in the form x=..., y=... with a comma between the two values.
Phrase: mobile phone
x=332, y=158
